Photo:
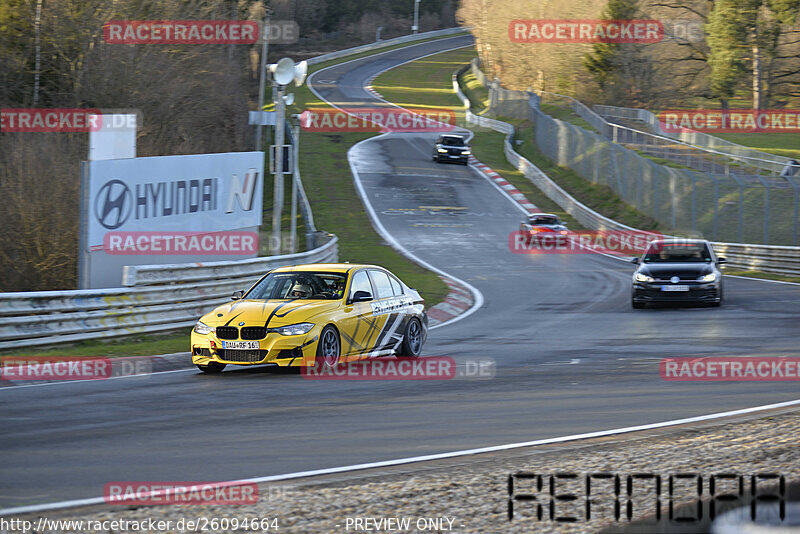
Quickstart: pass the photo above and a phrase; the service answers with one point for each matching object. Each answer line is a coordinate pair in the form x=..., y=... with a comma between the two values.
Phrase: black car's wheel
x=212, y=368
x=638, y=305
x=411, y=347
x=328, y=348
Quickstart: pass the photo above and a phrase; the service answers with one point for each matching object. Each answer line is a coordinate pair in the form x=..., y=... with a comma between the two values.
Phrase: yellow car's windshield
x=300, y=285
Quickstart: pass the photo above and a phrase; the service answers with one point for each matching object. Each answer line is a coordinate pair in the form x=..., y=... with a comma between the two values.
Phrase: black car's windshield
x=300, y=285
x=677, y=252
x=452, y=141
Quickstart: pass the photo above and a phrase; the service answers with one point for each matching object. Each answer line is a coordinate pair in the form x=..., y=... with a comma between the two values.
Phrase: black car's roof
x=679, y=241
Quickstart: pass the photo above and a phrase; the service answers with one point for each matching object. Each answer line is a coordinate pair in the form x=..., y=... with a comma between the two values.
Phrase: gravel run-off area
x=471, y=494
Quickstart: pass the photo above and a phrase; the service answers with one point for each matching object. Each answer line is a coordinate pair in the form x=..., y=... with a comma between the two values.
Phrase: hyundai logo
x=675, y=279
x=113, y=204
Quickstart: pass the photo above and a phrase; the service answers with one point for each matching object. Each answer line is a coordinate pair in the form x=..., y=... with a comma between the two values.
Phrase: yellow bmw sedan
x=320, y=314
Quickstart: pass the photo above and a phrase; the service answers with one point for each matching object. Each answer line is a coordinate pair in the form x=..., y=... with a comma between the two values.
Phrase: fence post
x=716, y=205
x=794, y=222
x=741, y=211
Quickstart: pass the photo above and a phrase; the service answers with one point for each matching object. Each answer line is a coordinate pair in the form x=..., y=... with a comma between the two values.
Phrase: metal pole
x=295, y=178
x=277, y=204
x=794, y=225
x=416, y=16
x=263, y=71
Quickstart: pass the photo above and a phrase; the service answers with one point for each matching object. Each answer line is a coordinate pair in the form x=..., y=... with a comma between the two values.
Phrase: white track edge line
x=429, y=457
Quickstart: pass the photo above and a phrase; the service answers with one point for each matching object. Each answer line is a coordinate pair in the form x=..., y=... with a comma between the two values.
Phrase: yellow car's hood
x=259, y=312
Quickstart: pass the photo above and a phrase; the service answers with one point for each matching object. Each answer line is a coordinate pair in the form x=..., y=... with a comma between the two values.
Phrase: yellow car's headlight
x=639, y=277
x=708, y=277
x=202, y=328
x=293, y=329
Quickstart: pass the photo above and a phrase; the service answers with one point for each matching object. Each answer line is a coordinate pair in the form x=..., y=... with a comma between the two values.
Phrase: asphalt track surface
x=571, y=355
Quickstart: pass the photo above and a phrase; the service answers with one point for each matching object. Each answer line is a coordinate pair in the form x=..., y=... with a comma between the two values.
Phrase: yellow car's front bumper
x=275, y=349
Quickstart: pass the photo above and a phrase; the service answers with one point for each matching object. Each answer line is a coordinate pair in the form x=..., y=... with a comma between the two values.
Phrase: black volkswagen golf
x=677, y=270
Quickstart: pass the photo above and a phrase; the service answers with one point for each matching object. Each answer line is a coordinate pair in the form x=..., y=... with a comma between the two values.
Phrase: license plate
x=674, y=288
x=252, y=345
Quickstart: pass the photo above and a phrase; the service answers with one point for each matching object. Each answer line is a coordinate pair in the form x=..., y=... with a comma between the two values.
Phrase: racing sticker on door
x=381, y=307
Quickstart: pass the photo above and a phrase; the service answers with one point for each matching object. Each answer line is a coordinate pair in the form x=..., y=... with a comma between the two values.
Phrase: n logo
x=244, y=193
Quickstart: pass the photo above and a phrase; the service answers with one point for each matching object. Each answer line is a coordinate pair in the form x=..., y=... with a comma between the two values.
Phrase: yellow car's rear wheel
x=412, y=340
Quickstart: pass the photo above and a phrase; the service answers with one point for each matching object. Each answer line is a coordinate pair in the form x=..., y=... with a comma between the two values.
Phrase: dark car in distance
x=451, y=148
x=677, y=270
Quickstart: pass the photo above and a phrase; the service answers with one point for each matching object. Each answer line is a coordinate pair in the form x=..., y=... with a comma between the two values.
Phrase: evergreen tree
x=601, y=62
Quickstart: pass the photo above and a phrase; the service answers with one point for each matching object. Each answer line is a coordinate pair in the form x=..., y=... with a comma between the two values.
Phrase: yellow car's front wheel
x=329, y=347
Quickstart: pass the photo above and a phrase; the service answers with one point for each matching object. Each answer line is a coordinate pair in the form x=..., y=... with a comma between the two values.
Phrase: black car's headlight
x=442, y=150
x=202, y=328
x=710, y=277
x=639, y=277
x=465, y=152
x=293, y=329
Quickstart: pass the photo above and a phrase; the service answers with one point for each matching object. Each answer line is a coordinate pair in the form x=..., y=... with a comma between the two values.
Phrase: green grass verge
x=565, y=113
x=781, y=144
x=134, y=345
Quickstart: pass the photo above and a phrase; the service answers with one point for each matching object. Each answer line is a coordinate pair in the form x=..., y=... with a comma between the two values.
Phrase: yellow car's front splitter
x=285, y=351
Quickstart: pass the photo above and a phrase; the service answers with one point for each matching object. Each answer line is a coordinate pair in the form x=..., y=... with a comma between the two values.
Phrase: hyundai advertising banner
x=168, y=209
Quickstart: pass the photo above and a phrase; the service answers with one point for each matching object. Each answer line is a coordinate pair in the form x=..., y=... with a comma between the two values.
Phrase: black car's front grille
x=679, y=295
x=242, y=356
x=455, y=151
x=254, y=332
x=227, y=332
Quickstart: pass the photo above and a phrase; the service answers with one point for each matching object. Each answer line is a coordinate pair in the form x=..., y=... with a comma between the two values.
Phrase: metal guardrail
x=159, y=297
x=767, y=258
x=771, y=163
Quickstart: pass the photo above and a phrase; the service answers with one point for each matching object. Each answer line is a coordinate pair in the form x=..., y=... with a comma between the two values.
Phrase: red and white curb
x=509, y=188
x=458, y=301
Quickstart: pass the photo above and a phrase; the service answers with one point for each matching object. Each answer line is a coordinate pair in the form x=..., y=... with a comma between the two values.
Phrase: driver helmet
x=300, y=291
